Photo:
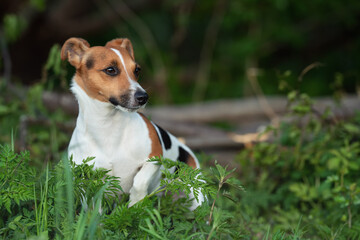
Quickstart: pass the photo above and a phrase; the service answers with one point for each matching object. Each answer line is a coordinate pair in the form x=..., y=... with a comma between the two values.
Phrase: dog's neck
x=99, y=118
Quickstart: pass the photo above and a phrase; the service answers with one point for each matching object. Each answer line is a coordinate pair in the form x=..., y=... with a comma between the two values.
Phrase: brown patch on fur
x=191, y=162
x=121, y=43
x=96, y=83
x=73, y=50
x=156, y=148
x=91, y=61
x=185, y=157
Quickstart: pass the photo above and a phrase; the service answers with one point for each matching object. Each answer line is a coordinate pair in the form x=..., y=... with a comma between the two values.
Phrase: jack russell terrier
x=109, y=127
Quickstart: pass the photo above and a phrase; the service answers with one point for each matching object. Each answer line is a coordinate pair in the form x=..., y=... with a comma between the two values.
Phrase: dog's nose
x=141, y=97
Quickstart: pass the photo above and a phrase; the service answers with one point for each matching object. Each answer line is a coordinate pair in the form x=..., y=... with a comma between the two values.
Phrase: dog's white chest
x=119, y=142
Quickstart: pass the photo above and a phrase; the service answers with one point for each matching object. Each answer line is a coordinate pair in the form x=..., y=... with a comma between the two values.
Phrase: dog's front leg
x=142, y=180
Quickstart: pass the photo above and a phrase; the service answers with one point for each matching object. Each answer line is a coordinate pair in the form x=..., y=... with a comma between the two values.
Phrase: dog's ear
x=121, y=43
x=73, y=50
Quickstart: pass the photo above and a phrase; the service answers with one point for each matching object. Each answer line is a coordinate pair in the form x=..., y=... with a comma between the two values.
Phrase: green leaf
x=292, y=96
x=352, y=128
x=14, y=25
x=236, y=183
x=229, y=196
x=333, y=163
x=4, y=109
x=38, y=4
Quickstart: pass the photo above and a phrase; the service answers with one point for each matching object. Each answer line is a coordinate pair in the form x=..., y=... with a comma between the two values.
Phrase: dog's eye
x=137, y=71
x=111, y=71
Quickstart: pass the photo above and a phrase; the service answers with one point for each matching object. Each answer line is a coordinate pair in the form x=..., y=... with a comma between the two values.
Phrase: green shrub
x=303, y=184
x=309, y=171
x=71, y=201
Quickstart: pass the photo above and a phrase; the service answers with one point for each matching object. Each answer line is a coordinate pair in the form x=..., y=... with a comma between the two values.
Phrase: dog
x=109, y=126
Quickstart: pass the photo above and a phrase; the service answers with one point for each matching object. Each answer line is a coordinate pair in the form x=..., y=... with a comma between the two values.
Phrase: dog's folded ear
x=121, y=43
x=73, y=50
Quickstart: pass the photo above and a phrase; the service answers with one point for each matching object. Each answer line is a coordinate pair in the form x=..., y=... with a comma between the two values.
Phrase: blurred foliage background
x=194, y=50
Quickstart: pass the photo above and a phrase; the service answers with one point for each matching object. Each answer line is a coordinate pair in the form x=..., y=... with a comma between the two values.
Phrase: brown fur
x=120, y=43
x=95, y=82
x=156, y=148
x=89, y=63
x=191, y=162
x=73, y=50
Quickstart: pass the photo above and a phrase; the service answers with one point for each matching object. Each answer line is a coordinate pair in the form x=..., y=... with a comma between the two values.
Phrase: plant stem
x=160, y=188
x=156, y=191
x=350, y=215
x=213, y=204
x=210, y=233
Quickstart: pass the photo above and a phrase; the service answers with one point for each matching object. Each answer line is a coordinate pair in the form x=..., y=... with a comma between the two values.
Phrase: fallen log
x=191, y=122
x=239, y=110
x=227, y=141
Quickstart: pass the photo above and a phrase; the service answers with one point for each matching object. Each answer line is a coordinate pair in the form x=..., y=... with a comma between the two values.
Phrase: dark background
x=196, y=50
x=301, y=177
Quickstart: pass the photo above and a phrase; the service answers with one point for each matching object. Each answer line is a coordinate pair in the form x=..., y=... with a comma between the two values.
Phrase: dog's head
x=109, y=73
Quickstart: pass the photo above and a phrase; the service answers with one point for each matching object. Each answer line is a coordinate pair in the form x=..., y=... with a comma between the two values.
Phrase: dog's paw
x=131, y=203
x=136, y=196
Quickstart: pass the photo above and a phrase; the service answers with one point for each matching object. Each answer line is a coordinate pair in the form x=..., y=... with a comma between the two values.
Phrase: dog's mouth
x=125, y=104
x=127, y=109
x=114, y=101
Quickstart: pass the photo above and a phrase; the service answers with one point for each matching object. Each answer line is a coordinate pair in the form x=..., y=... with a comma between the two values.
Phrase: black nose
x=141, y=97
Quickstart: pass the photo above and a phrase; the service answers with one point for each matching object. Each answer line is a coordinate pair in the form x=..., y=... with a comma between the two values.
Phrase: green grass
x=67, y=199
x=302, y=185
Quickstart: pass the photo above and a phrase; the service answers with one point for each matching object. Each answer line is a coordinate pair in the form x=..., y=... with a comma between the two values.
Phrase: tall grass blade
x=59, y=204
x=95, y=216
x=80, y=226
x=69, y=194
x=12, y=140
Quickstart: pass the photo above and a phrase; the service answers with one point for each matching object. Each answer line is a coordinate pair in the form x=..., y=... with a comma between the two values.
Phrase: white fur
x=133, y=84
x=173, y=153
x=118, y=140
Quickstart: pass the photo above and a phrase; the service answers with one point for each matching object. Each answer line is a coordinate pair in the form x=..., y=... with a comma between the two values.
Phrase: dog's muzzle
x=130, y=101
